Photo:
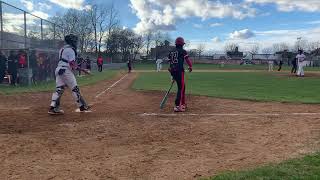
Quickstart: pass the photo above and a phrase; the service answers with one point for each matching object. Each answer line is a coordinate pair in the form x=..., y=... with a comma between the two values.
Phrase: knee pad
x=60, y=90
x=76, y=90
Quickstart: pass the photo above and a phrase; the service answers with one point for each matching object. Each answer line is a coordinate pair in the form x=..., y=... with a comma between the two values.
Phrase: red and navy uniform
x=176, y=60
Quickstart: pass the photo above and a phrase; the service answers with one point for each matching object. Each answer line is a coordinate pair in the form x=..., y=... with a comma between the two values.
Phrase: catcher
x=176, y=60
x=65, y=76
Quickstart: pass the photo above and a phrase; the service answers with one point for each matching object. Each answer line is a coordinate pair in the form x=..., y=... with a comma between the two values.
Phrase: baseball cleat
x=178, y=109
x=55, y=111
x=85, y=109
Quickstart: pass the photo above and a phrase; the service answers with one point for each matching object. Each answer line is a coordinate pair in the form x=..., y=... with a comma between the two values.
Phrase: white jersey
x=66, y=55
x=159, y=61
x=301, y=57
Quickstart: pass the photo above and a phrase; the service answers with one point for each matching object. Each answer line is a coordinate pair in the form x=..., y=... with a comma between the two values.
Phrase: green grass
x=259, y=86
x=150, y=66
x=49, y=86
x=307, y=167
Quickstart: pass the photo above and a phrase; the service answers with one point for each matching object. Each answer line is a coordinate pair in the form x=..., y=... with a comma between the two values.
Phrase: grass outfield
x=203, y=67
x=259, y=86
x=307, y=167
x=49, y=86
x=150, y=66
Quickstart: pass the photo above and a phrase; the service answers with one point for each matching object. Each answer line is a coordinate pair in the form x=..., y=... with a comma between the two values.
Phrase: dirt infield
x=116, y=141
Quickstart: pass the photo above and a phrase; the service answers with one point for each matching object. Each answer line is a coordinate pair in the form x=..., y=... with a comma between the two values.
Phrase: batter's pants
x=181, y=93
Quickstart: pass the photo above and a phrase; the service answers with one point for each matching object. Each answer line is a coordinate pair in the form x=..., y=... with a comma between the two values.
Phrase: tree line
x=99, y=31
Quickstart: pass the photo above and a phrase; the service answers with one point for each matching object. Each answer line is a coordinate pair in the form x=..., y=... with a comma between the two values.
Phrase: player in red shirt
x=22, y=60
x=100, y=63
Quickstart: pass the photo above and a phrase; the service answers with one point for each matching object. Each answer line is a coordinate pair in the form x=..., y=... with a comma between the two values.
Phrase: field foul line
x=114, y=84
x=14, y=108
x=229, y=114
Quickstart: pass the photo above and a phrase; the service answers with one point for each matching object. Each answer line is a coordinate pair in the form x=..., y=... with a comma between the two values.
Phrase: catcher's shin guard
x=77, y=95
x=56, y=96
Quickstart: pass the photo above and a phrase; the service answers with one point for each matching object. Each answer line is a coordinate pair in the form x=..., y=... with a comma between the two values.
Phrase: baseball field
x=242, y=122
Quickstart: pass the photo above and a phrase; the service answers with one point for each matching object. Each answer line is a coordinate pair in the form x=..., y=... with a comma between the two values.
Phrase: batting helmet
x=180, y=41
x=71, y=39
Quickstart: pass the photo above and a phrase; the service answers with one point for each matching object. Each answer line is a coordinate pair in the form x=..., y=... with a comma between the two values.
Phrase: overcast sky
x=207, y=21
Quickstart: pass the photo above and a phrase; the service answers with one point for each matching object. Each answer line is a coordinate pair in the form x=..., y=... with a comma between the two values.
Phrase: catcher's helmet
x=71, y=39
x=180, y=41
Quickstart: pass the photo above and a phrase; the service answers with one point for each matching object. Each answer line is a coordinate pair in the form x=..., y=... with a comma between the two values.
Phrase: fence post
x=41, y=29
x=1, y=24
x=30, y=70
x=25, y=29
x=54, y=36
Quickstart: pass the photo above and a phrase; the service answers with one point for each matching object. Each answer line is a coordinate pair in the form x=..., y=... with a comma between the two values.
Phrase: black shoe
x=85, y=109
x=55, y=111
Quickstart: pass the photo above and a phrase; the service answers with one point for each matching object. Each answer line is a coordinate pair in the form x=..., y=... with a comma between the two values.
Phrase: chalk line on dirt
x=110, y=87
x=229, y=114
x=14, y=108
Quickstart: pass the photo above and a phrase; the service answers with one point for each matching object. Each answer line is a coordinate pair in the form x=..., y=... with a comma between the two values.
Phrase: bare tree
x=200, y=49
x=187, y=45
x=267, y=52
x=254, y=49
x=300, y=44
x=75, y=22
x=113, y=20
x=158, y=38
x=278, y=47
x=126, y=43
x=113, y=44
x=97, y=16
x=138, y=43
x=230, y=47
x=85, y=31
x=104, y=18
x=148, y=39
x=311, y=46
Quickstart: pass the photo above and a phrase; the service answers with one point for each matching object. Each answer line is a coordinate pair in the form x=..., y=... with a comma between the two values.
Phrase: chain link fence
x=28, y=45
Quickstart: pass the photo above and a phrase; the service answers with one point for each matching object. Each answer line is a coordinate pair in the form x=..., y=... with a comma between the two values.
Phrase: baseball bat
x=165, y=98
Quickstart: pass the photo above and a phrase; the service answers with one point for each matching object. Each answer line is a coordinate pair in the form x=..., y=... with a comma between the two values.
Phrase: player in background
x=280, y=65
x=176, y=60
x=159, y=64
x=13, y=66
x=79, y=62
x=65, y=76
x=129, y=64
x=3, y=61
x=88, y=63
x=100, y=63
x=270, y=63
x=294, y=66
x=300, y=60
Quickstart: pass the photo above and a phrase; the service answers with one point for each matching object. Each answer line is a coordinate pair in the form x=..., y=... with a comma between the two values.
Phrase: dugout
x=29, y=66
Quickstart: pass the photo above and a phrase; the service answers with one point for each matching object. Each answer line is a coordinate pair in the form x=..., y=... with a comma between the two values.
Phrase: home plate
x=78, y=111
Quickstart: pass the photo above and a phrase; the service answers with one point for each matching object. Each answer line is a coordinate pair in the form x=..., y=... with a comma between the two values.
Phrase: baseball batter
x=301, y=62
x=176, y=60
x=65, y=76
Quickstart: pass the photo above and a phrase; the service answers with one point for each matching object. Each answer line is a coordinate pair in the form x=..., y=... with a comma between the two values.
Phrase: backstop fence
x=29, y=44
